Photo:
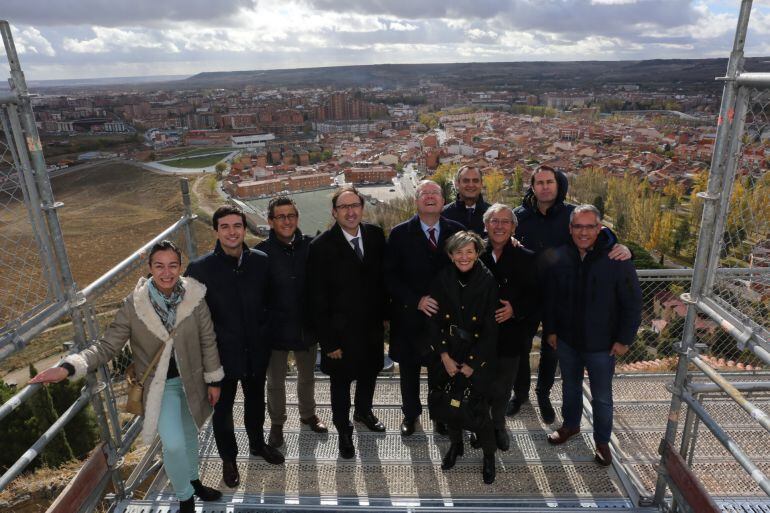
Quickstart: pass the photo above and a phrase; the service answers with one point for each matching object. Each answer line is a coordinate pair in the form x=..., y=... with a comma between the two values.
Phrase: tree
x=82, y=431
x=220, y=169
x=444, y=176
x=493, y=185
x=517, y=181
x=599, y=204
x=681, y=236
x=58, y=450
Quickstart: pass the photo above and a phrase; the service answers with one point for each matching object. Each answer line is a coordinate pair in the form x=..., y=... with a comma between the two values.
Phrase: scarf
x=164, y=306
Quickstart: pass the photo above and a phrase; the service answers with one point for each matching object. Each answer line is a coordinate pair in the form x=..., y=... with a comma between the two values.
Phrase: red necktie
x=432, y=238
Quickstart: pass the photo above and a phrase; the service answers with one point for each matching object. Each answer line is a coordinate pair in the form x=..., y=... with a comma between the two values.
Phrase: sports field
x=314, y=209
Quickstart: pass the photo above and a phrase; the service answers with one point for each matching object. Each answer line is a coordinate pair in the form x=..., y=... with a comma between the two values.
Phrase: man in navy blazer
x=413, y=257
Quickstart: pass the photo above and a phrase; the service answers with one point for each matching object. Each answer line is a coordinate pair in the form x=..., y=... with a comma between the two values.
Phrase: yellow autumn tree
x=494, y=180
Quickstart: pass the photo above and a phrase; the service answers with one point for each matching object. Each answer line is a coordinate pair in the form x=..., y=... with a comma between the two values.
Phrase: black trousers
x=507, y=368
x=409, y=379
x=340, y=396
x=486, y=436
x=253, y=415
x=546, y=372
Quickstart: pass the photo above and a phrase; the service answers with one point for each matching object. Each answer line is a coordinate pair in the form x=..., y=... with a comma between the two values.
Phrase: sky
x=75, y=39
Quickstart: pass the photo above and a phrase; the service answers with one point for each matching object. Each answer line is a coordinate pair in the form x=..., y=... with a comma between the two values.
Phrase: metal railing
x=719, y=319
x=734, y=232
x=33, y=249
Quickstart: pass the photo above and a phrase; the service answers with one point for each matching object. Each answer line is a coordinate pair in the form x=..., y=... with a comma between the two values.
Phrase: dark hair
x=164, y=245
x=541, y=168
x=227, y=210
x=467, y=167
x=343, y=190
x=280, y=201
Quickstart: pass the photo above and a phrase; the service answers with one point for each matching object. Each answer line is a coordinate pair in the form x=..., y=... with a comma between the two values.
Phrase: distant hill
x=688, y=74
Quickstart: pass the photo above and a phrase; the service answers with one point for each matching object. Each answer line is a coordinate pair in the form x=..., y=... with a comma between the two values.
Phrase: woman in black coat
x=463, y=337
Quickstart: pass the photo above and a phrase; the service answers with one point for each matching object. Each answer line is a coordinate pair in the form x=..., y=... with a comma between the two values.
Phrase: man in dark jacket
x=236, y=286
x=347, y=308
x=287, y=250
x=543, y=222
x=518, y=314
x=592, y=312
x=469, y=207
x=414, y=256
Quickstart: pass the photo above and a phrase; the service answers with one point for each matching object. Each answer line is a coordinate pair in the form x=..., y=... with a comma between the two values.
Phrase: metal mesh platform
x=390, y=472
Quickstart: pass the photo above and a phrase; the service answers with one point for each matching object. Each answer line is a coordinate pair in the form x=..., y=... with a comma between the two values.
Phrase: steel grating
x=403, y=473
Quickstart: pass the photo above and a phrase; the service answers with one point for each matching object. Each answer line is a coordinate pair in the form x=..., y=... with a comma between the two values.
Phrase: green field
x=195, y=162
x=198, y=151
x=314, y=207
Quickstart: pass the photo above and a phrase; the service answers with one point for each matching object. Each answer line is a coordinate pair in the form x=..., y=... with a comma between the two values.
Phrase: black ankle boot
x=488, y=470
x=187, y=506
x=205, y=493
x=455, y=450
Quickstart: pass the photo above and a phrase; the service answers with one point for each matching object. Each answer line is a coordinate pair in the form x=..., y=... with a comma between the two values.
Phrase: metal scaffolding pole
x=721, y=161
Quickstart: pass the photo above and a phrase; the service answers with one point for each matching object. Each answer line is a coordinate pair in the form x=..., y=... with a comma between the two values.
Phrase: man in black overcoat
x=414, y=256
x=347, y=308
x=469, y=206
x=236, y=290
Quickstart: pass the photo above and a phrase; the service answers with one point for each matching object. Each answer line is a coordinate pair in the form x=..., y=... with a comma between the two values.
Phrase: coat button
x=447, y=316
x=471, y=357
x=476, y=335
x=462, y=307
x=473, y=318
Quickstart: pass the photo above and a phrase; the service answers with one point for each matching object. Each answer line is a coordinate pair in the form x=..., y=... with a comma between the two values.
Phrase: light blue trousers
x=179, y=438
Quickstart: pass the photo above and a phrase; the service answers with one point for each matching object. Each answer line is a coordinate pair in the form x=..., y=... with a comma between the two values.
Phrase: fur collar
x=194, y=293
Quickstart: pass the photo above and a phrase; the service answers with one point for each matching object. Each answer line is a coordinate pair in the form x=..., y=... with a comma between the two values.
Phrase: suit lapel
x=345, y=248
x=420, y=239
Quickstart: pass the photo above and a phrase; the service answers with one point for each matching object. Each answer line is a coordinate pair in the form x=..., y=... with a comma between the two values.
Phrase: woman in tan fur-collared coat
x=168, y=314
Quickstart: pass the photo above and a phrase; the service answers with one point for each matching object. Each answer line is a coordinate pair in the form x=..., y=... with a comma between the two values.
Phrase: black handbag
x=456, y=404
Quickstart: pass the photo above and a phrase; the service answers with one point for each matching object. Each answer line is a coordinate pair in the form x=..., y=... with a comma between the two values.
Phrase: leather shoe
x=546, y=410
x=473, y=438
x=370, y=421
x=275, y=439
x=440, y=428
x=455, y=450
x=502, y=440
x=514, y=405
x=187, y=506
x=347, y=449
x=230, y=474
x=603, y=455
x=562, y=434
x=269, y=454
x=316, y=424
x=407, y=427
x=488, y=470
x=205, y=493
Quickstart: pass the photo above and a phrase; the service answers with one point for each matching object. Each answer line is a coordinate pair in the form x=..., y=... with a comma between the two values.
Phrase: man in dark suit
x=469, y=206
x=236, y=279
x=414, y=256
x=347, y=306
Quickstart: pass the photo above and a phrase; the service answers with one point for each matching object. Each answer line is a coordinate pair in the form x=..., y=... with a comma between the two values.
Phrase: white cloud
x=30, y=41
x=189, y=36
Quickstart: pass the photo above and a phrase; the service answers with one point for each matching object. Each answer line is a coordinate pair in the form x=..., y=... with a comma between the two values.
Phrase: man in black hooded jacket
x=543, y=222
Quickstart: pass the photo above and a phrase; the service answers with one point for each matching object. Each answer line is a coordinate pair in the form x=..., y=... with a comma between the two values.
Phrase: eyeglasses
x=429, y=193
x=349, y=206
x=285, y=217
x=583, y=227
x=500, y=222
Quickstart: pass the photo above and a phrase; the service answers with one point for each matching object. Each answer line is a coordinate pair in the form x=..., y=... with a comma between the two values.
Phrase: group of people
x=462, y=288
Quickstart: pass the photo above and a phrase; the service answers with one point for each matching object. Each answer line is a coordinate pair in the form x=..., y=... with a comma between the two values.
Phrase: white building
x=251, y=141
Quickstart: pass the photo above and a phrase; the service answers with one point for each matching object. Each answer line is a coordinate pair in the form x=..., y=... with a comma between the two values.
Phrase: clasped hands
x=452, y=367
